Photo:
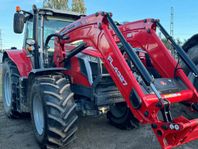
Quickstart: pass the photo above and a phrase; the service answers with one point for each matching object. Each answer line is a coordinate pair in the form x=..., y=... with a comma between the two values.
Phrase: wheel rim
x=119, y=110
x=38, y=114
x=7, y=89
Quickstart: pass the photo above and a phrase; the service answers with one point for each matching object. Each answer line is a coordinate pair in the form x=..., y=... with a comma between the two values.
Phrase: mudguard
x=42, y=71
x=21, y=60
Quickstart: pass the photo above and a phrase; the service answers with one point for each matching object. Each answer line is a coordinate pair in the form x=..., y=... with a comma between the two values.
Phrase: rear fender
x=20, y=59
x=45, y=71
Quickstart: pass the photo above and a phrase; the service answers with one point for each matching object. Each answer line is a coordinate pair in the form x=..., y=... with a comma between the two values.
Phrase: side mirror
x=18, y=24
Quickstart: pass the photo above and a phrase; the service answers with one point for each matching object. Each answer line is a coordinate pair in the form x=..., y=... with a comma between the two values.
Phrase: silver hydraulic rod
x=41, y=51
x=156, y=91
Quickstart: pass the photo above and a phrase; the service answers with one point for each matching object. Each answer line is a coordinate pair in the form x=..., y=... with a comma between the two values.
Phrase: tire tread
x=56, y=91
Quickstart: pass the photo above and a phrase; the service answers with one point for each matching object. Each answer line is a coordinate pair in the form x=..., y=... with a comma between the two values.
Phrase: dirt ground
x=93, y=133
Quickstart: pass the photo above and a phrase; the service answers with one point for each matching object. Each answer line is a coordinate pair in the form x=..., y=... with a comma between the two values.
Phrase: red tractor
x=90, y=65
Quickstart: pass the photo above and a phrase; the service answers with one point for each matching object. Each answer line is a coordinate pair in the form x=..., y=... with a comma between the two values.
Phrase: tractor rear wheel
x=193, y=54
x=10, y=82
x=53, y=111
x=120, y=116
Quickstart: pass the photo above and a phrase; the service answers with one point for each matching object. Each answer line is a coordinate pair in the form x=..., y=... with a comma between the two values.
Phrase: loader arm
x=99, y=31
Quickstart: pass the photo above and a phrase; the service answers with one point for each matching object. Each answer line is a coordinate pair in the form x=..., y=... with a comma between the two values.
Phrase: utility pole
x=172, y=22
x=172, y=30
x=1, y=42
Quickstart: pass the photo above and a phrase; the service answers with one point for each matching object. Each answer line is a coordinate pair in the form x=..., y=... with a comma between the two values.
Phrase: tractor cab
x=39, y=24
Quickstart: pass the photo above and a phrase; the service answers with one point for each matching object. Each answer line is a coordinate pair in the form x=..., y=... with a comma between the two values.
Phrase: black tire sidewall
x=41, y=139
x=59, y=119
x=117, y=119
x=193, y=54
x=124, y=121
x=6, y=69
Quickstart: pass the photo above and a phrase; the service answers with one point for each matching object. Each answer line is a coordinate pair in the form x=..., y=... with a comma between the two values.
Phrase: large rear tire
x=193, y=54
x=120, y=116
x=10, y=92
x=53, y=111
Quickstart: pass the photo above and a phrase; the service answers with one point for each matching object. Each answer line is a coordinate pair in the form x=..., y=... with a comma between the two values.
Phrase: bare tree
x=78, y=6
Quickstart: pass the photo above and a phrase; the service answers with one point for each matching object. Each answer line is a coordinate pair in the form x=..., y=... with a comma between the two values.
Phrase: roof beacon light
x=18, y=9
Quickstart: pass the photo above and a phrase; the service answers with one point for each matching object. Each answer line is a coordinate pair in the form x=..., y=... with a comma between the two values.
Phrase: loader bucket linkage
x=170, y=132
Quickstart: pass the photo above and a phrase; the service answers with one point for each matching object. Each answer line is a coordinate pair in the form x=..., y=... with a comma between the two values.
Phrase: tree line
x=76, y=6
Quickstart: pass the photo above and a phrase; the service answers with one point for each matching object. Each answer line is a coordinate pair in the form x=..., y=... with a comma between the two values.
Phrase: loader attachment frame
x=100, y=32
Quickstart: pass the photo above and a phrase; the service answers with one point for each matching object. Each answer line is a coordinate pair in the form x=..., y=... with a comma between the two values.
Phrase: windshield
x=54, y=25
x=51, y=25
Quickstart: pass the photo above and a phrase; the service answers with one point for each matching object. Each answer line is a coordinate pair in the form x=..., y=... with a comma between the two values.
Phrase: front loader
x=94, y=66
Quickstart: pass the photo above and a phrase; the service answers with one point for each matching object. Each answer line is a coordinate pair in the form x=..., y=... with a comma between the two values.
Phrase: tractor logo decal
x=120, y=76
x=172, y=95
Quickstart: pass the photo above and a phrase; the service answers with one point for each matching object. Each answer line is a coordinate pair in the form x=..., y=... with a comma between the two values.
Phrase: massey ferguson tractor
x=72, y=65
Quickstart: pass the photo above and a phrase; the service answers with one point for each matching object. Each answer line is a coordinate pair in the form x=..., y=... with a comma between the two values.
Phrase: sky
x=185, y=15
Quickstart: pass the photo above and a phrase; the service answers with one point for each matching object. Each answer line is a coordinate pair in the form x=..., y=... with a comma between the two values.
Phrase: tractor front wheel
x=120, y=116
x=10, y=83
x=53, y=111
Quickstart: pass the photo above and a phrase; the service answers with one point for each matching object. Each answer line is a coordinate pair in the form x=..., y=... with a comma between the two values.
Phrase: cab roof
x=56, y=13
x=63, y=13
